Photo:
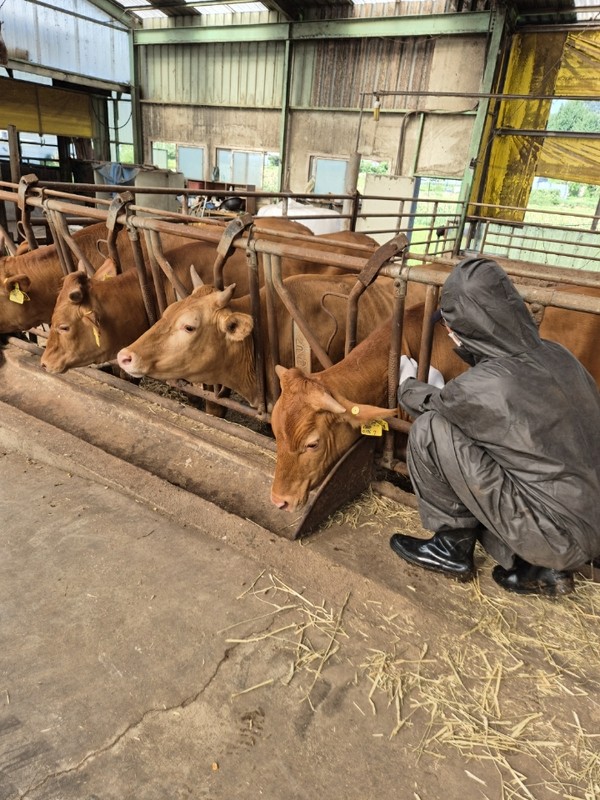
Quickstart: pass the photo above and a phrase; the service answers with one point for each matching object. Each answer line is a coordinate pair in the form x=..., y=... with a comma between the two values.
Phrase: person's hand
x=409, y=367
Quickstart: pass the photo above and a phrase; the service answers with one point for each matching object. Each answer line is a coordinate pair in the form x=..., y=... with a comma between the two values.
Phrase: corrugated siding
x=231, y=74
x=327, y=74
x=333, y=73
x=53, y=39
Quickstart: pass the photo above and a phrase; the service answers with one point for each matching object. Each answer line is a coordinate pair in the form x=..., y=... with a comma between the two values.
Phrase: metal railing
x=401, y=263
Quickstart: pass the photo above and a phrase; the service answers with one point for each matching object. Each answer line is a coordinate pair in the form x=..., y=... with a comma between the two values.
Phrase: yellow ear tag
x=96, y=335
x=375, y=427
x=17, y=296
x=355, y=410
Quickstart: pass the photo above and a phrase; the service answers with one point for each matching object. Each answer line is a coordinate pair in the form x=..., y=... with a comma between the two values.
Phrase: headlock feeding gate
x=413, y=281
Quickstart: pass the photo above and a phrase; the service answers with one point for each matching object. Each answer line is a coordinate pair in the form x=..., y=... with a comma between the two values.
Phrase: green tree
x=576, y=115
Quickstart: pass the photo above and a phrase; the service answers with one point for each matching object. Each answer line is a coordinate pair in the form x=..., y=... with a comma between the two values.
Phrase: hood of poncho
x=481, y=305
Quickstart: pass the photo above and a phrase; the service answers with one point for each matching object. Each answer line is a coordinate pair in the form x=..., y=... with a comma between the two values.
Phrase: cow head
x=22, y=304
x=313, y=430
x=192, y=340
x=86, y=321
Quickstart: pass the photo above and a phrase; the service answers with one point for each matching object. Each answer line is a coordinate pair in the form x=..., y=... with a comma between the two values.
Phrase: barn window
x=245, y=167
x=120, y=129
x=190, y=161
x=328, y=174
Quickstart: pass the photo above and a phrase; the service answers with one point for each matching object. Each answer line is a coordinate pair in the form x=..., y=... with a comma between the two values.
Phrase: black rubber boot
x=524, y=578
x=449, y=552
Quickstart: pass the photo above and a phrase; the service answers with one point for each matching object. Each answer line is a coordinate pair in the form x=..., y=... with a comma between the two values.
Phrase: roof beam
x=116, y=11
x=474, y=22
x=286, y=7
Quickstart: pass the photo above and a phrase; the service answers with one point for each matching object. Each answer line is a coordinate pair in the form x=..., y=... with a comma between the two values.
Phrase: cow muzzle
x=129, y=362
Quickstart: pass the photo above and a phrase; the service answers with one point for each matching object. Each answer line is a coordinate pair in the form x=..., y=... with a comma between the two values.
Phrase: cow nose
x=124, y=358
x=279, y=502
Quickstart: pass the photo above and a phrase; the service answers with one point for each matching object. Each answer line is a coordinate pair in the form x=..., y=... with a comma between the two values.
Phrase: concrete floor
x=154, y=646
x=122, y=670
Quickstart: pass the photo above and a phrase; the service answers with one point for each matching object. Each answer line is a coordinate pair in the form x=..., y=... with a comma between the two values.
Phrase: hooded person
x=507, y=453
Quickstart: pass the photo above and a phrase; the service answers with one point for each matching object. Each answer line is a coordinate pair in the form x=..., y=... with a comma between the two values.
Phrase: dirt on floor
x=145, y=659
x=154, y=646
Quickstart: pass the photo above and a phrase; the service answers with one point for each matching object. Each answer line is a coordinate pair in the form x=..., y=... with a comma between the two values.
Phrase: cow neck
x=242, y=372
x=121, y=301
x=45, y=273
x=362, y=375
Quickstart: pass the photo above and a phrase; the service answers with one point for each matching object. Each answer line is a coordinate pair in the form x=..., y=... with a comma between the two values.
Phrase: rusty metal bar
x=145, y=287
x=164, y=264
x=396, y=337
x=7, y=240
x=257, y=330
x=424, y=360
x=64, y=254
x=225, y=247
x=196, y=390
x=269, y=277
x=367, y=275
x=25, y=185
x=159, y=289
x=287, y=301
x=64, y=234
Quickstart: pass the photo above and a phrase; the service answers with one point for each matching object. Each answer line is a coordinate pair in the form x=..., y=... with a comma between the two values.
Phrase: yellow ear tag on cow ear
x=375, y=427
x=355, y=410
x=17, y=295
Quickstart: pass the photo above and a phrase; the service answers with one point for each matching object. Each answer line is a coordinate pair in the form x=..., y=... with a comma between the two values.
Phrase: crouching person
x=508, y=453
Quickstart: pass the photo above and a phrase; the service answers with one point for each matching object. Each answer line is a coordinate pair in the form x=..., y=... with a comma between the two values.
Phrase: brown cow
x=206, y=338
x=117, y=304
x=81, y=331
x=316, y=419
x=37, y=274
x=578, y=331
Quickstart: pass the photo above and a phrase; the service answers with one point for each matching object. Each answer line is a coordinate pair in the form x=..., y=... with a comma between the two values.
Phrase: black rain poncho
x=512, y=446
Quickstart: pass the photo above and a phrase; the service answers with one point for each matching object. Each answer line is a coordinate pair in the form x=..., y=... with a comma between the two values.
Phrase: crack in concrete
x=187, y=701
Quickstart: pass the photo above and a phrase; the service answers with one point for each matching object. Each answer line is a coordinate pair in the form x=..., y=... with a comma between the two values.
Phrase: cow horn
x=196, y=279
x=223, y=297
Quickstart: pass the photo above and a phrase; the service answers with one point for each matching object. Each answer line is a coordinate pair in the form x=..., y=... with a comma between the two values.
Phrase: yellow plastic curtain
x=541, y=64
x=44, y=109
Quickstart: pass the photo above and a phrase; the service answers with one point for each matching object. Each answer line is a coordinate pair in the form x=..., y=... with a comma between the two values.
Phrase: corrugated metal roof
x=533, y=11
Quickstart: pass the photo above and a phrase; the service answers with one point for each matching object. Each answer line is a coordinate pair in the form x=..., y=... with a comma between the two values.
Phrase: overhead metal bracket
x=365, y=278
x=119, y=204
x=26, y=184
x=225, y=248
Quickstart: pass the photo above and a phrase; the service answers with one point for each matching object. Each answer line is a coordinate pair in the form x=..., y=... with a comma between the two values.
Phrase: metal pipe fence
x=402, y=263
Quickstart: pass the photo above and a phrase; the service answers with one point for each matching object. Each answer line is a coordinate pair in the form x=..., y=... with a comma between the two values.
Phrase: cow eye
x=63, y=328
x=312, y=445
x=189, y=328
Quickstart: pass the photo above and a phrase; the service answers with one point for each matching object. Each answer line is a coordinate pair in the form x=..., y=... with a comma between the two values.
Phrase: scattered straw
x=514, y=693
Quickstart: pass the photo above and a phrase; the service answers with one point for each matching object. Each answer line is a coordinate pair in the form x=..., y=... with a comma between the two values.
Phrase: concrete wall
x=416, y=135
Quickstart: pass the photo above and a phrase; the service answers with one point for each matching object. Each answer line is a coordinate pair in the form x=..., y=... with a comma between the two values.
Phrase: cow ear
x=77, y=284
x=360, y=413
x=24, y=282
x=106, y=270
x=236, y=326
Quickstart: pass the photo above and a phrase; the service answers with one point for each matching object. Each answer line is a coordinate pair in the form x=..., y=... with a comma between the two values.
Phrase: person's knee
x=426, y=429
